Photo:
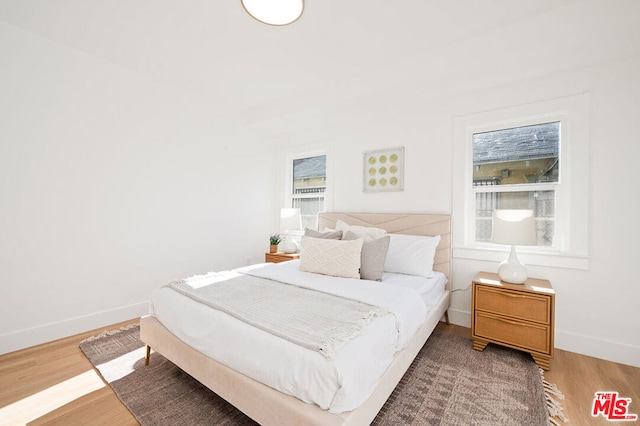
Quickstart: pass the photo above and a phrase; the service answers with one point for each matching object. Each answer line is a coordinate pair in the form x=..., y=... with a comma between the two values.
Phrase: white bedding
x=339, y=384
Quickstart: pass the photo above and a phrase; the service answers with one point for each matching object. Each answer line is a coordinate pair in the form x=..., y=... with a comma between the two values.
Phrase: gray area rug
x=449, y=383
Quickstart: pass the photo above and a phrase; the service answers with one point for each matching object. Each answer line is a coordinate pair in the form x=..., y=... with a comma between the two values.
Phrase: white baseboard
x=574, y=342
x=57, y=330
x=598, y=348
x=568, y=341
x=460, y=318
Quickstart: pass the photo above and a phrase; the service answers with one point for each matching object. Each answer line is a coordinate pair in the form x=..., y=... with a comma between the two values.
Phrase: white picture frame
x=383, y=170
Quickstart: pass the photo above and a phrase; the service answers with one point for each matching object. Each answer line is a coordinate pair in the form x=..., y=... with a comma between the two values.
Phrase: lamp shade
x=274, y=12
x=290, y=220
x=514, y=227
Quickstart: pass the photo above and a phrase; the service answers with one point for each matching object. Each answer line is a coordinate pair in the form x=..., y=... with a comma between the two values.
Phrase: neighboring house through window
x=308, y=187
x=517, y=168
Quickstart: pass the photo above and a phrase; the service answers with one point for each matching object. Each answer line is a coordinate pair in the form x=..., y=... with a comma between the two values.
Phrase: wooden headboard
x=399, y=223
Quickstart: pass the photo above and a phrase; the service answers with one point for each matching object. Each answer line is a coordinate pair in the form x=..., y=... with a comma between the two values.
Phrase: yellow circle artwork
x=383, y=171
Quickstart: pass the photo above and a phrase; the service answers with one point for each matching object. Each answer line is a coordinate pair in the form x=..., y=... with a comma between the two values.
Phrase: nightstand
x=280, y=257
x=519, y=316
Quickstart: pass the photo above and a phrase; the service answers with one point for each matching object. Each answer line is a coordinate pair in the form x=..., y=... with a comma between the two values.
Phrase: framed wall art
x=383, y=170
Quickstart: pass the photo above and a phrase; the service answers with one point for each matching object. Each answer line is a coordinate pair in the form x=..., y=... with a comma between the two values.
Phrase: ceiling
x=338, y=51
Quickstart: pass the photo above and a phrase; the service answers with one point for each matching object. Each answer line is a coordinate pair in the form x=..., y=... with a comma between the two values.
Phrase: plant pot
x=273, y=248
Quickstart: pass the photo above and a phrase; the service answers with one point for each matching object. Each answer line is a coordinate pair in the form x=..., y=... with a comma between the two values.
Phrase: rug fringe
x=110, y=332
x=553, y=397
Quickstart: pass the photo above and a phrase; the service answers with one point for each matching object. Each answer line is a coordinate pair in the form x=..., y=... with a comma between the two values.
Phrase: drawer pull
x=512, y=322
x=519, y=296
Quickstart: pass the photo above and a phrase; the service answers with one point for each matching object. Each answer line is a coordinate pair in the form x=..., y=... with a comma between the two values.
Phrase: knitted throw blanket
x=317, y=321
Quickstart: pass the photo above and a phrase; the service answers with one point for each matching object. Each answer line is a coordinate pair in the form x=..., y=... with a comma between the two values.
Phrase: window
x=533, y=156
x=309, y=183
x=516, y=168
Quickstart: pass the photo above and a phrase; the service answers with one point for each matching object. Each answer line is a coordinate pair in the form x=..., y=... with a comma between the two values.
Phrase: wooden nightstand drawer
x=529, y=336
x=521, y=305
x=280, y=257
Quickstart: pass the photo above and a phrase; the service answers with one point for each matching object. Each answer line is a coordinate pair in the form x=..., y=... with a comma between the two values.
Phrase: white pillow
x=331, y=257
x=411, y=254
x=367, y=232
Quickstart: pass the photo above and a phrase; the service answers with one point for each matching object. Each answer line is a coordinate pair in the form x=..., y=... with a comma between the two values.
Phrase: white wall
x=596, y=309
x=112, y=183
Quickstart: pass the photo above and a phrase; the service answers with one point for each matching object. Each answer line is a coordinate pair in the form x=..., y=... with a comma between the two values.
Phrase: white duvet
x=339, y=384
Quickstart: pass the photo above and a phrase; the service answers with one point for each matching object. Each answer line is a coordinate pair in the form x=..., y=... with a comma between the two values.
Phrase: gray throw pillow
x=331, y=235
x=372, y=257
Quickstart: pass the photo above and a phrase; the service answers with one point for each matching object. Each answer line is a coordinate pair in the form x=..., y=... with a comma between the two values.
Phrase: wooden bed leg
x=446, y=316
x=147, y=356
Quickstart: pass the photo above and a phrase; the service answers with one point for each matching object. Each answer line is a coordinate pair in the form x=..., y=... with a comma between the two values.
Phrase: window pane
x=541, y=202
x=309, y=184
x=521, y=155
x=309, y=208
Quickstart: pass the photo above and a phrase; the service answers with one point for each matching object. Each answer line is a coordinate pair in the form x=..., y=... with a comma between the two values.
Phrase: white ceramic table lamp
x=290, y=220
x=515, y=228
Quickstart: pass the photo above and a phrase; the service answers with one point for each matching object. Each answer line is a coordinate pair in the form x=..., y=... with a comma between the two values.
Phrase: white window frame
x=570, y=248
x=287, y=155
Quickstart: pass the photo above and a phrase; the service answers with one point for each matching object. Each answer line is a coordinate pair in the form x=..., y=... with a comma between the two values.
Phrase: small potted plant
x=274, y=240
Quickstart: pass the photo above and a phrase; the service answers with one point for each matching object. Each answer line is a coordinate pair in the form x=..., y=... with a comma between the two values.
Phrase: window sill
x=528, y=257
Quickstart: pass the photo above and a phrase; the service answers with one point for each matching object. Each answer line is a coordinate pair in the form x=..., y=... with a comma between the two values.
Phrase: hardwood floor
x=54, y=383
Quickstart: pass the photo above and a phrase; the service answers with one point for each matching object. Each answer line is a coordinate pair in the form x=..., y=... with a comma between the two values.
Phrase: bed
x=191, y=349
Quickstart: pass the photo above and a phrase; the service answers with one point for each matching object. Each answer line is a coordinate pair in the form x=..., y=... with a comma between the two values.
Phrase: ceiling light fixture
x=274, y=12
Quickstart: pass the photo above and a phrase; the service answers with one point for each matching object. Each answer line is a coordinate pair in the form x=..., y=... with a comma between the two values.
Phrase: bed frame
x=268, y=406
